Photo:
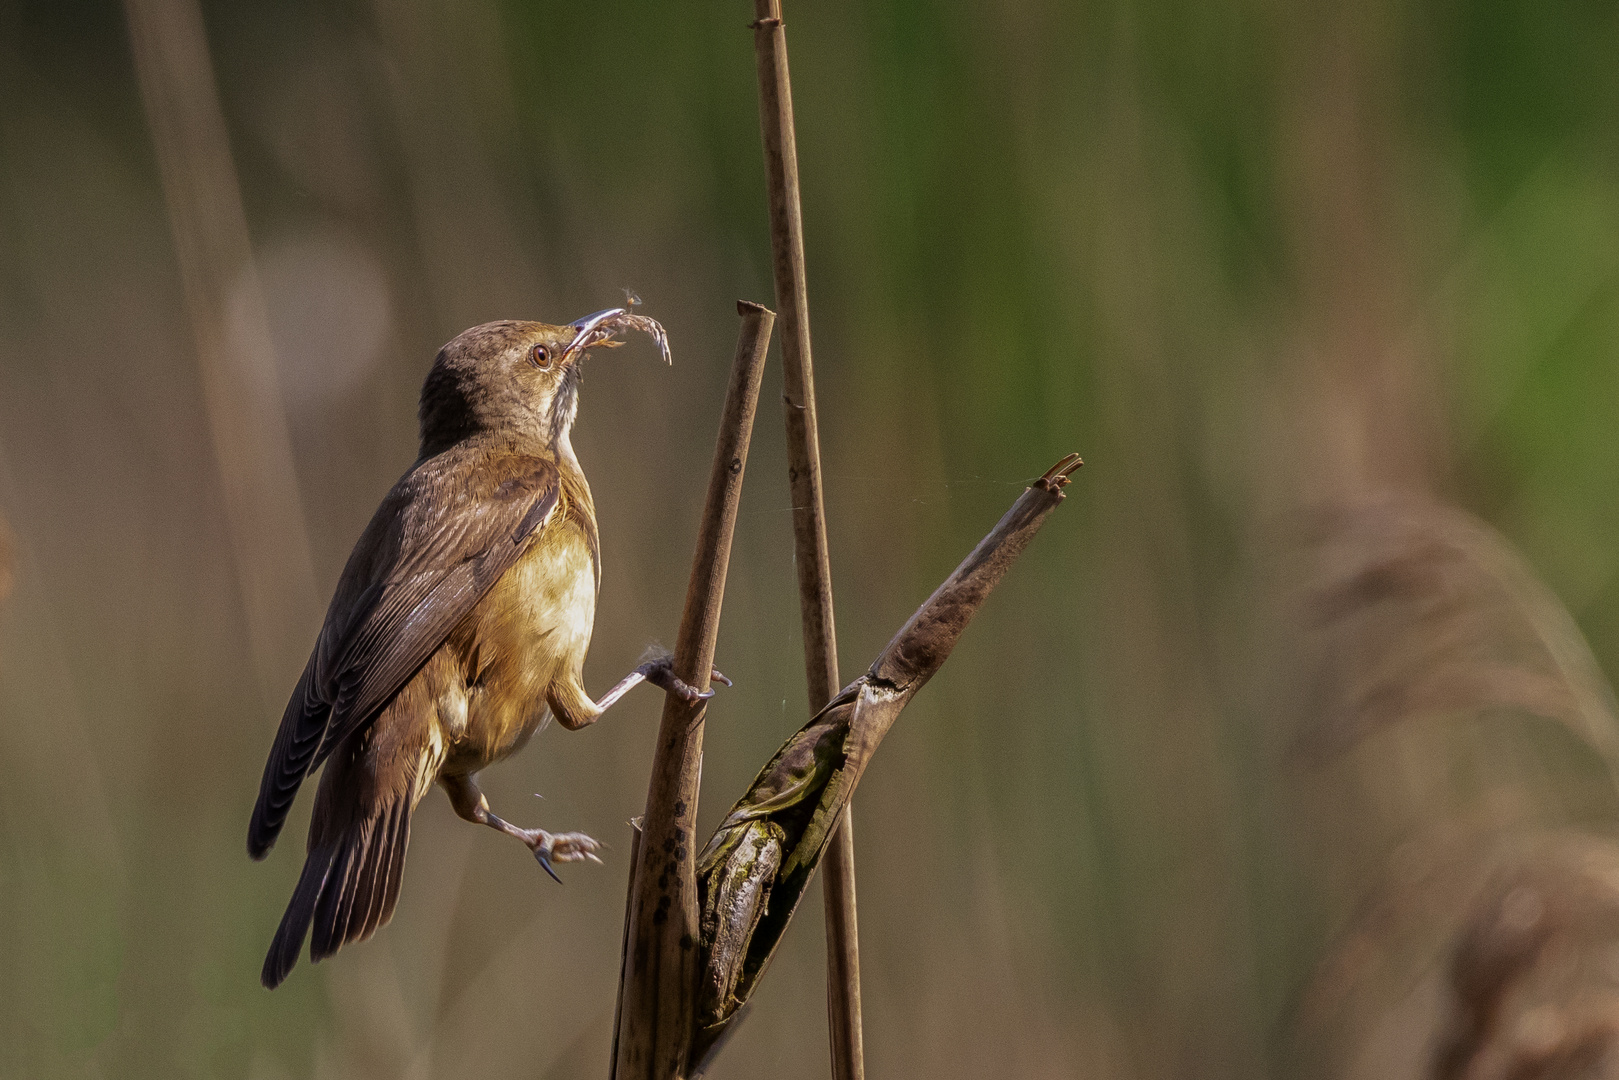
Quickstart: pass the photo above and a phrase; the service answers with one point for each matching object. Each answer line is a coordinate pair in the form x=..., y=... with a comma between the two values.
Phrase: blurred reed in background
x=1272, y=758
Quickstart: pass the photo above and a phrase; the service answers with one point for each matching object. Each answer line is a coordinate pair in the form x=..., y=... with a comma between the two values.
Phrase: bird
x=459, y=625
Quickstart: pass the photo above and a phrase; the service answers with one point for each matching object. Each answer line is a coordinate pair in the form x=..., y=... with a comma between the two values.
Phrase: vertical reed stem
x=658, y=980
x=809, y=512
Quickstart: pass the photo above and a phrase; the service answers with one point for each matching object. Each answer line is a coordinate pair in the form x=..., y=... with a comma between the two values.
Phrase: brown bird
x=459, y=624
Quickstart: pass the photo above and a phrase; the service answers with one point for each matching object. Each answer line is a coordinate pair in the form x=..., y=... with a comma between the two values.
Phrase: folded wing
x=443, y=536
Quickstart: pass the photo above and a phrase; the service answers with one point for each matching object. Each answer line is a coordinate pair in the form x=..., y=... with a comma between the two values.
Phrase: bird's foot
x=661, y=673
x=552, y=848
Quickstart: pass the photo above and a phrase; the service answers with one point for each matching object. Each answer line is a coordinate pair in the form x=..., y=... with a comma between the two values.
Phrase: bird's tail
x=348, y=889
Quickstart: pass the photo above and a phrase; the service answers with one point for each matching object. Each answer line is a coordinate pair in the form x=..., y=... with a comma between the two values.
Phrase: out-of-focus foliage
x=1247, y=258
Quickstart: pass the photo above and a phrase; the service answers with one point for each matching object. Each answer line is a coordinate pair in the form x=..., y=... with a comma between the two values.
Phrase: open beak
x=598, y=329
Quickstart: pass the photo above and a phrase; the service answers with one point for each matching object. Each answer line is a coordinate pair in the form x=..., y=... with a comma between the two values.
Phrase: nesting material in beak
x=597, y=329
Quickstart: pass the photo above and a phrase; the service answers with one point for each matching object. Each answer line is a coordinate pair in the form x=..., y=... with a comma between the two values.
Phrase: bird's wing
x=444, y=535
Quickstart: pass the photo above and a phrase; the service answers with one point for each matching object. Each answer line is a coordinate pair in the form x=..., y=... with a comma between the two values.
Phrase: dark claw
x=546, y=863
x=687, y=692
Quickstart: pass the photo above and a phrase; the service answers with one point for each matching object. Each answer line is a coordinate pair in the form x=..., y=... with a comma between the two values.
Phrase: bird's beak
x=596, y=330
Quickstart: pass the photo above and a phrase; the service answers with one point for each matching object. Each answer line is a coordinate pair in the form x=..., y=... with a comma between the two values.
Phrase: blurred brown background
x=1269, y=759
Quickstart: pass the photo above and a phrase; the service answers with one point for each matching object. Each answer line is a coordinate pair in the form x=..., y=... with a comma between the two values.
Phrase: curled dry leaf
x=755, y=868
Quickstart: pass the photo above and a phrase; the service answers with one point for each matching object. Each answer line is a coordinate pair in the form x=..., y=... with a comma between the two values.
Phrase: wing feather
x=440, y=540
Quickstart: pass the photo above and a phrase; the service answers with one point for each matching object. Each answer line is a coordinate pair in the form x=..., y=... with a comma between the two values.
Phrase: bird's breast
x=534, y=624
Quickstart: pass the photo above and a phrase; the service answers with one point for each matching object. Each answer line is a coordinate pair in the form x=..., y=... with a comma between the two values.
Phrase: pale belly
x=533, y=627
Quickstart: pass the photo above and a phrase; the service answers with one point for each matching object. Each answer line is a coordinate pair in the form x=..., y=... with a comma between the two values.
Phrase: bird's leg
x=574, y=709
x=660, y=672
x=469, y=803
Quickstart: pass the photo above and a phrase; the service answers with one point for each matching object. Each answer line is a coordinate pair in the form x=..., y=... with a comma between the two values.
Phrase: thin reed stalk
x=658, y=976
x=809, y=513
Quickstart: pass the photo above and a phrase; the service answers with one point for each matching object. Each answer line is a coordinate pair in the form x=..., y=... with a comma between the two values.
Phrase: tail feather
x=289, y=936
x=348, y=918
x=348, y=889
x=385, y=893
x=389, y=896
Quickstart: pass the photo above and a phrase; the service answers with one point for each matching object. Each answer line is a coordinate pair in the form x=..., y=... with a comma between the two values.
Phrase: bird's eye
x=540, y=357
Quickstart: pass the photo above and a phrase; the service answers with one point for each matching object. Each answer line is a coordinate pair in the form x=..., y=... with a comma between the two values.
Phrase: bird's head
x=518, y=378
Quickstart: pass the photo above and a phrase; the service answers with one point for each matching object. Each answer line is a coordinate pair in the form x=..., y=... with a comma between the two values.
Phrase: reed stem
x=657, y=980
x=809, y=513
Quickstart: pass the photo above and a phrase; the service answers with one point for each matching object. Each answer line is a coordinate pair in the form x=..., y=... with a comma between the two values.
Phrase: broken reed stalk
x=658, y=975
x=754, y=869
x=809, y=512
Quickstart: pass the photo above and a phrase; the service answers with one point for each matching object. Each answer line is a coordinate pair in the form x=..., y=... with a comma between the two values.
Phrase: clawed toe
x=684, y=690
x=661, y=673
x=564, y=847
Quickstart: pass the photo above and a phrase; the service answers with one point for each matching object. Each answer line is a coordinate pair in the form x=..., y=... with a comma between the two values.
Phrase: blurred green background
x=1247, y=258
